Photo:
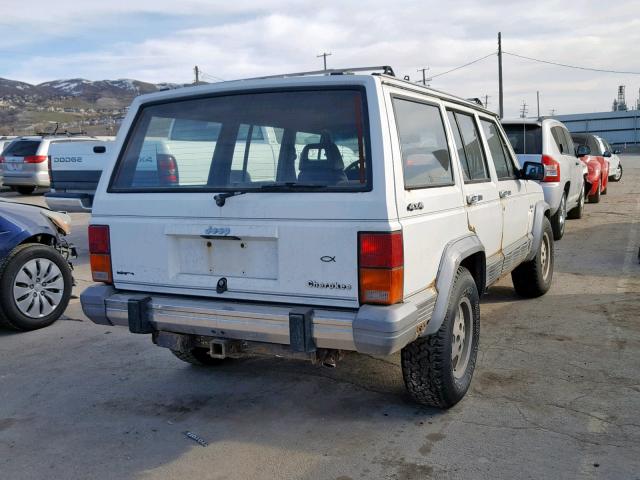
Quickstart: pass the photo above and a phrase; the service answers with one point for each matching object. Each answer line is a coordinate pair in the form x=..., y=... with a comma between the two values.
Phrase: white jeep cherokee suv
x=547, y=141
x=312, y=215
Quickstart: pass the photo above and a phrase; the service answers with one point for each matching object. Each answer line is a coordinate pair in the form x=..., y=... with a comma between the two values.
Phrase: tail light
x=35, y=159
x=167, y=170
x=551, y=169
x=100, y=253
x=1, y=159
x=381, y=267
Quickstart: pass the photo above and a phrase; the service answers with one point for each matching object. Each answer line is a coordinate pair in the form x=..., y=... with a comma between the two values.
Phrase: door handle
x=505, y=193
x=474, y=198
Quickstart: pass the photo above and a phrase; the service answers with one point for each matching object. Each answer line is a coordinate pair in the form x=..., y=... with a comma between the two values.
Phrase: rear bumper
x=69, y=202
x=374, y=330
x=26, y=179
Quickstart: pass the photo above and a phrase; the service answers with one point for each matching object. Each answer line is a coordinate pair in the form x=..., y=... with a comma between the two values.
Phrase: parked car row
x=313, y=215
x=577, y=166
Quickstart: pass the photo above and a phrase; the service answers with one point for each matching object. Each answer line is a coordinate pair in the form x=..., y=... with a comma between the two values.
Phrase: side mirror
x=606, y=154
x=532, y=171
x=582, y=151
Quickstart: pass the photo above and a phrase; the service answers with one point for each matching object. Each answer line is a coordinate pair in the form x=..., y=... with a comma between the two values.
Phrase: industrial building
x=620, y=127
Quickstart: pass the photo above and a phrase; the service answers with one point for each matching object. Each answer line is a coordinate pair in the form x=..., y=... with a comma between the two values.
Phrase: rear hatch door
x=255, y=196
x=16, y=153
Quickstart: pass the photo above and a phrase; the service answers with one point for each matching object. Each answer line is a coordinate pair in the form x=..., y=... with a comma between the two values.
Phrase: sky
x=161, y=41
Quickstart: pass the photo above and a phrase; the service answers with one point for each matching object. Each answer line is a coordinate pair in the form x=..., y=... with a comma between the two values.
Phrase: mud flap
x=301, y=330
x=138, y=317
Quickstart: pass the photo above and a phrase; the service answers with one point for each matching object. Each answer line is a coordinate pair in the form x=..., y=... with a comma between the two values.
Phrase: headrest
x=324, y=156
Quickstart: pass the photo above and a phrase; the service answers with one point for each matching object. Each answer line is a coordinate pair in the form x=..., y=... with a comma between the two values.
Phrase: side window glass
x=504, y=169
x=467, y=140
x=558, y=136
x=425, y=155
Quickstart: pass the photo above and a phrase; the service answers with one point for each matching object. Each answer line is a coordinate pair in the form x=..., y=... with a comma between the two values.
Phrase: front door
x=513, y=196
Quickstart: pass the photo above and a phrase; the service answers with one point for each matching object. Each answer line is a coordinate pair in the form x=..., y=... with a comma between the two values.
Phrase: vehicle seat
x=316, y=168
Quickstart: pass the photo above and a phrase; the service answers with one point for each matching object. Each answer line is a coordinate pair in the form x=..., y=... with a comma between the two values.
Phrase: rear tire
x=595, y=198
x=559, y=218
x=437, y=369
x=50, y=290
x=25, y=190
x=197, y=356
x=577, y=211
x=533, y=278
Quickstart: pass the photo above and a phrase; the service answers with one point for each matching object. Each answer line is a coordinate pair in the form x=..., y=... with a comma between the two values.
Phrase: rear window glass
x=288, y=140
x=22, y=148
x=526, y=139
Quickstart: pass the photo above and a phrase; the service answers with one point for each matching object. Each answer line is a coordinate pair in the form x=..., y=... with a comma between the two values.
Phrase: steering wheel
x=353, y=170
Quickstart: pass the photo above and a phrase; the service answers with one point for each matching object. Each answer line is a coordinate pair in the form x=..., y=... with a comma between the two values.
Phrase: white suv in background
x=330, y=213
x=548, y=142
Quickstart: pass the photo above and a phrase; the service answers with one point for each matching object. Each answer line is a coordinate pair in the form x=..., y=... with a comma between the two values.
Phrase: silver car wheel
x=545, y=257
x=462, y=338
x=38, y=288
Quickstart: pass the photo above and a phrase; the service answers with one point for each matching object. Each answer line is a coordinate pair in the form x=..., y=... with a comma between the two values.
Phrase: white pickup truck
x=74, y=172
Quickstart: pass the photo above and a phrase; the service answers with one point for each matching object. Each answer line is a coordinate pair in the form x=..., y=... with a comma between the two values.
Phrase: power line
x=570, y=66
x=211, y=77
x=462, y=66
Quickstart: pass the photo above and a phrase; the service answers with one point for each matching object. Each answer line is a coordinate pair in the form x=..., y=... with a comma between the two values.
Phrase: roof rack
x=386, y=70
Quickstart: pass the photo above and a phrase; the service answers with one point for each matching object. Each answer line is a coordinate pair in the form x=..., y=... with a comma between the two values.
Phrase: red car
x=597, y=177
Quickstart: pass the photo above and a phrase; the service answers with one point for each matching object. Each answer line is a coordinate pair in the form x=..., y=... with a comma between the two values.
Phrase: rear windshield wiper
x=221, y=198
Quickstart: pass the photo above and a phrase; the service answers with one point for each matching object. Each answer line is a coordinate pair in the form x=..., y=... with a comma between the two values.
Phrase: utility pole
x=523, y=110
x=196, y=70
x=538, y=97
x=324, y=56
x=424, y=75
x=500, y=92
x=486, y=101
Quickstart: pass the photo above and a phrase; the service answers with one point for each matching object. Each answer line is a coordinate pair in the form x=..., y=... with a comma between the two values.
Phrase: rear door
x=484, y=210
x=429, y=196
x=577, y=168
x=269, y=208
